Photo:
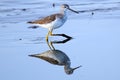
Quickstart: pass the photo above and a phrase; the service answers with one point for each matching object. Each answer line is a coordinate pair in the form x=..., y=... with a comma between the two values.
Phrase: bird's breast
x=59, y=22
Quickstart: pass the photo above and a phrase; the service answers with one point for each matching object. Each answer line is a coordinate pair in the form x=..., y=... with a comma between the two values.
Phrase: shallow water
x=95, y=44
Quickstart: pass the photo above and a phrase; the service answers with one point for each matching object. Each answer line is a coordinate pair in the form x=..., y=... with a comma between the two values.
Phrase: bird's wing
x=50, y=60
x=46, y=20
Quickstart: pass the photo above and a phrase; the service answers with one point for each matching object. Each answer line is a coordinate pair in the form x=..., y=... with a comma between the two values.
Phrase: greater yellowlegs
x=57, y=57
x=54, y=21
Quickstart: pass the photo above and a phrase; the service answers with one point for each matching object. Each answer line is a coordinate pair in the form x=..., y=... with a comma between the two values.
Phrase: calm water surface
x=95, y=44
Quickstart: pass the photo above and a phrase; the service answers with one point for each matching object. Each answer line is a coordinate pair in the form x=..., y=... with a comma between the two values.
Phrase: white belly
x=55, y=24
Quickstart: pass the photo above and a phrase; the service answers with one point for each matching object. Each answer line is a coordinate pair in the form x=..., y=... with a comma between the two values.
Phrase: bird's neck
x=64, y=12
x=66, y=67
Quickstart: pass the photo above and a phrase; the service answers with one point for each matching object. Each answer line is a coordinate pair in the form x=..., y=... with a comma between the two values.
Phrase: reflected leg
x=63, y=35
x=52, y=45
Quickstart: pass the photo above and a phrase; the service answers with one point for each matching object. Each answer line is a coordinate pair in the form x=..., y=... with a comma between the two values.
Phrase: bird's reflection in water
x=57, y=57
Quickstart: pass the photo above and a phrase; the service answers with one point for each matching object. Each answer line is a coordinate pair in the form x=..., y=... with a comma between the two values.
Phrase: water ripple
x=34, y=10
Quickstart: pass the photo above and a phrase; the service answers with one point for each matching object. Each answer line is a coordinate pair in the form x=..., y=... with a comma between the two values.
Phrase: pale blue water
x=96, y=43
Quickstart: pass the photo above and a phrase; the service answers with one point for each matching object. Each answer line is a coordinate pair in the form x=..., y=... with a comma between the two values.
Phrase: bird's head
x=71, y=70
x=66, y=7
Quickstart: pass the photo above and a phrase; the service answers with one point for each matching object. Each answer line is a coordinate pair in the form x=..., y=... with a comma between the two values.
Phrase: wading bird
x=54, y=21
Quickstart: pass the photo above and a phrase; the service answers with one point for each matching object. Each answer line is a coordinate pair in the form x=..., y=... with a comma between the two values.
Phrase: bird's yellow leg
x=47, y=37
x=50, y=33
x=48, y=40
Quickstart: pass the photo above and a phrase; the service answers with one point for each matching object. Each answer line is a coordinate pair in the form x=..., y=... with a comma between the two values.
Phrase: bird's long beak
x=73, y=10
x=77, y=67
x=34, y=55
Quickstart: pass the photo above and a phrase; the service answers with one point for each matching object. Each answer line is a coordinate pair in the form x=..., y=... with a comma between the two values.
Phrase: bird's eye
x=65, y=7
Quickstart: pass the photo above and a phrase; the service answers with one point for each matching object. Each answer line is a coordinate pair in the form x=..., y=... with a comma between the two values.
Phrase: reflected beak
x=34, y=55
x=73, y=10
x=77, y=67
